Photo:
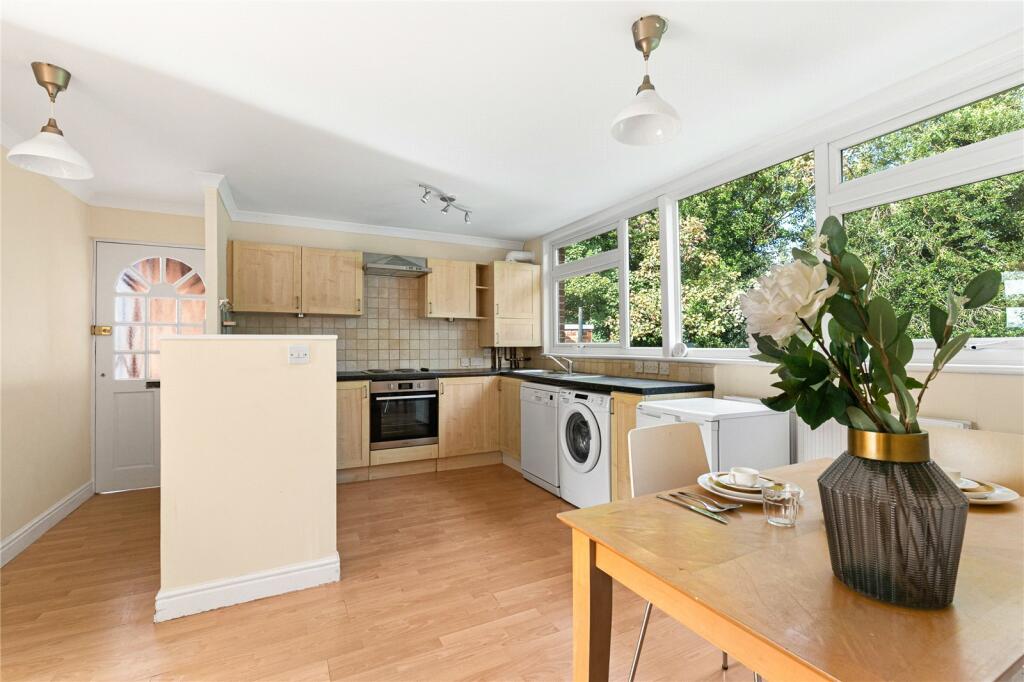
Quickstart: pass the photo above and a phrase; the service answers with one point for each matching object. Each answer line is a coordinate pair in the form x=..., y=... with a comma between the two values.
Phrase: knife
x=702, y=512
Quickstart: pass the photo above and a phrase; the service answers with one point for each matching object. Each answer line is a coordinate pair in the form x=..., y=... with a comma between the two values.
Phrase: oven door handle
x=405, y=397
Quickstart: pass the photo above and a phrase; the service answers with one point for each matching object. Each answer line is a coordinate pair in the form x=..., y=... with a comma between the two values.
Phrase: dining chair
x=660, y=458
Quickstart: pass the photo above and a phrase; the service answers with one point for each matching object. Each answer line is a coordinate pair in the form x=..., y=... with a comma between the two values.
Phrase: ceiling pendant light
x=648, y=119
x=48, y=152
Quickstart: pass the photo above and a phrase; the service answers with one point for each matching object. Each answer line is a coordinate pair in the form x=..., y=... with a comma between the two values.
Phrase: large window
x=734, y=233
x=945, y=202
x=922, y=245
x=978, y=121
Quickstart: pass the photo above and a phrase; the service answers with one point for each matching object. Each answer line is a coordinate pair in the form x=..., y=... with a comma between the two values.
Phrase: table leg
x=591, y=613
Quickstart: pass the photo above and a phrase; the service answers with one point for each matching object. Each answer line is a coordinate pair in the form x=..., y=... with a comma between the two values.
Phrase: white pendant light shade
x=50, y=154
x=648, y=119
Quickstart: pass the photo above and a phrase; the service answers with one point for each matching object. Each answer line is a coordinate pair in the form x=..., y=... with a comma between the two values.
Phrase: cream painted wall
x=993, y=402
x=143, y=226
x=248, y=456
x=333, y=239
x=45, y=451
x=46, y=375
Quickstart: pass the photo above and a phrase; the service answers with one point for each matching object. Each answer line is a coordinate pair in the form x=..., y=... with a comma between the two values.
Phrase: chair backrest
x=664, y=457
x=981, y=455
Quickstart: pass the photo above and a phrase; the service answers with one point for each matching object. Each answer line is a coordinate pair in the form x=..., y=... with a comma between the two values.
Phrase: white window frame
x=994, y=69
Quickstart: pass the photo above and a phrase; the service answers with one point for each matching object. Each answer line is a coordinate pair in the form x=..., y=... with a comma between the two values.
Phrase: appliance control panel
x=403, y=386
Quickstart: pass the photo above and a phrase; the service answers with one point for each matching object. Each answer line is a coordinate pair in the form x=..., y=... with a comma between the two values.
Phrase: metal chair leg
x=725, y=661
x=640, y=641
x=758, y=678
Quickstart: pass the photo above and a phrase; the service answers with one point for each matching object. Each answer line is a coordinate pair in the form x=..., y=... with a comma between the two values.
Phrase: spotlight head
x=466, y=217
x=447, y=207
x=426, y=196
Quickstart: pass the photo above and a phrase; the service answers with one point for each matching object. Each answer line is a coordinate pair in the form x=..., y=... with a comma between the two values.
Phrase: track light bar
x=447, y=199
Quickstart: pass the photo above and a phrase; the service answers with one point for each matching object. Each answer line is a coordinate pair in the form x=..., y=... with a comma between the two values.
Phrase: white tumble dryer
x=584, y=448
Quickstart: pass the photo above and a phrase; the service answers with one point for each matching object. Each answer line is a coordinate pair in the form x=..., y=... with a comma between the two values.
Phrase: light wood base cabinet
x=353, y=408
x=509, y=416
x=468, y=414
x=624, y=421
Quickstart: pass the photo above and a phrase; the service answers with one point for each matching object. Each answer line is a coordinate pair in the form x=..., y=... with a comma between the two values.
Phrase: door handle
x=430, y=307
x=296, y=301
x=497, y=309
x=359, y=303
x=366, y=392
x=441, y=386
x=101, y=330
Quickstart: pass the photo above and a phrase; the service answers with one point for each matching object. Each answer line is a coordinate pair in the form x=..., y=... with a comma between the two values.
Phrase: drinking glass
x=781, y=502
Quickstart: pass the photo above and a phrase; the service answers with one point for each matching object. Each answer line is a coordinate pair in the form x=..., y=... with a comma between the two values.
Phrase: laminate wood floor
x=459, y=575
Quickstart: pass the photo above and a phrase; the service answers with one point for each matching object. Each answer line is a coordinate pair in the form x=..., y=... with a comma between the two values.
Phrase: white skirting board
x=16, y=542
x=185, y=601
x=510, y=462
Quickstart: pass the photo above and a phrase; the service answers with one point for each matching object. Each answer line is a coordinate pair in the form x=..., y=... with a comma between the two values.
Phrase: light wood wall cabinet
x=510, y=304
x=353, y=406
x=264, y=278
x=624, y=421
x=332, y=282
x=468, y=415
x=509, y=416
x=449, y=291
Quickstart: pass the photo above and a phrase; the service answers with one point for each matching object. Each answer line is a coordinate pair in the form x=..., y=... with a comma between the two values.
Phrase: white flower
x=786, y=295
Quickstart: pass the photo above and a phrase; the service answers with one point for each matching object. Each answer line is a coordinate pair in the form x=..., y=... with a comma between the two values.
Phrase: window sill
x=954, y=368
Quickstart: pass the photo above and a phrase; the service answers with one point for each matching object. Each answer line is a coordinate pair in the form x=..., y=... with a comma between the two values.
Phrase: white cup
x=953, y=474
x=744, y=476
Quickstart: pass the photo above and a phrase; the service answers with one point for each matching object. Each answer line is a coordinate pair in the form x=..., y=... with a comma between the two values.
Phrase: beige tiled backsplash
x=639, y=369
x=389, y=334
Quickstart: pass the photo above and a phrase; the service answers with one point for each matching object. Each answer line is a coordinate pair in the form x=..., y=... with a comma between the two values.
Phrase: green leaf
x=836, y=234
x=952, y=347
x=882, y=321
x=806, y=257
x=767, y=345
x=859, y=419
x=907, y=406
x=982, y=289
x=811, y=367
x=954, y=306
x=845, y=313
x=911, y=382
x=901, y=351
x=902, y=322
x=891, y=422
x=779, y=403
x=855, y=273
x=937, y=324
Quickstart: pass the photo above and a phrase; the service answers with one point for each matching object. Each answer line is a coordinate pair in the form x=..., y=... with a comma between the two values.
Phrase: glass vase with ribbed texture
x=895, y=528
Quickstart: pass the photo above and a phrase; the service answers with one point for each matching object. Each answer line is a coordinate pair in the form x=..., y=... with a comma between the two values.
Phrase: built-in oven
x=403, y=413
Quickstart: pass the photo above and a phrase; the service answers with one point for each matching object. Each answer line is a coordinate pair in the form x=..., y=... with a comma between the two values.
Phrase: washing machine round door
x=579, y=437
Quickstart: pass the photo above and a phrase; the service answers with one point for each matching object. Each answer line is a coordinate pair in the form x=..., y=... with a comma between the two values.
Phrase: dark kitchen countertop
x=580, y=381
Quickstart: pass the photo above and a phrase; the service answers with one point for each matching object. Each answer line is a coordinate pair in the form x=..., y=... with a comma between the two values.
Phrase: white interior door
x=143, y=293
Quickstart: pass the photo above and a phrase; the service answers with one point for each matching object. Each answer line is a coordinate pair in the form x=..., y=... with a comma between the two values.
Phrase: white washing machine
x=584, y=448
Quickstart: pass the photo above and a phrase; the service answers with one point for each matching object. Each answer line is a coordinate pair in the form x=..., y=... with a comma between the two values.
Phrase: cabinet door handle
x=497, y=338
x=497, y=309
x=359, y=304
x=296, y=302
x=430, y=307
x=366, y=393
x=441, y=386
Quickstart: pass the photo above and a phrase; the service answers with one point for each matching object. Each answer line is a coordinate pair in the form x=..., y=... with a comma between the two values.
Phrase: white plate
x=708, y=483
x=1002, y=495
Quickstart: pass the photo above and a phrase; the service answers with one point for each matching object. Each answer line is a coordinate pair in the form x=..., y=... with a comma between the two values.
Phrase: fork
x=712, y=506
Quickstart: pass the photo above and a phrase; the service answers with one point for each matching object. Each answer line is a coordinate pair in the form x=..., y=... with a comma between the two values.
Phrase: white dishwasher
x=539, y=435
x=735, y=433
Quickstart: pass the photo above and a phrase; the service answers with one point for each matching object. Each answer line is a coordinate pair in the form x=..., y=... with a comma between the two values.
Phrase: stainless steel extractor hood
x=394, y=266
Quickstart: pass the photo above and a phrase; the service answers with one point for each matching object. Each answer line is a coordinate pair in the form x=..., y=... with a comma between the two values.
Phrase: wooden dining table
x=767, y=596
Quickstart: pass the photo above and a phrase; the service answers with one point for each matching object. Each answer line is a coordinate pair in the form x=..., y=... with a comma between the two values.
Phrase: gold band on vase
x=888, y=447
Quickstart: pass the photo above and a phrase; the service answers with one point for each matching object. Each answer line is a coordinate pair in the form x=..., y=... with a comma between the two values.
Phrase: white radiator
x=829, y=439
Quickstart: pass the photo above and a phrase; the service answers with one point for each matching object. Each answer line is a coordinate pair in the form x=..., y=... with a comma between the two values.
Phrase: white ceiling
x=336, y=110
